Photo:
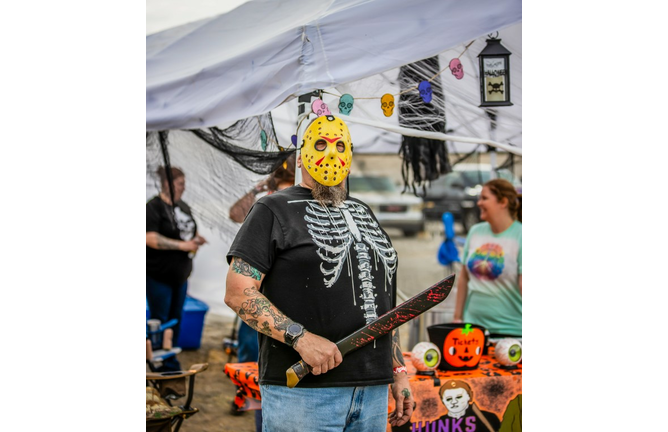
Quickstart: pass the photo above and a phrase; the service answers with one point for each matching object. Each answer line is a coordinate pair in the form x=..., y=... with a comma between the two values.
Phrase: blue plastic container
x=192, y=323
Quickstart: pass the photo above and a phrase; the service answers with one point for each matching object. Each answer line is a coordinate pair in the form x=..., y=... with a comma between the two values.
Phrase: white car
x=392, y=208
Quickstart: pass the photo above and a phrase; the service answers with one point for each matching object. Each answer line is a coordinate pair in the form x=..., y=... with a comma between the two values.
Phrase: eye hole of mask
x=320, y=145
x=340, y=146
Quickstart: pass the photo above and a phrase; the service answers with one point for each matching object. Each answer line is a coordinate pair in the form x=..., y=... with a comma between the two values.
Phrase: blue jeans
x=328, y=409
x=165, y=302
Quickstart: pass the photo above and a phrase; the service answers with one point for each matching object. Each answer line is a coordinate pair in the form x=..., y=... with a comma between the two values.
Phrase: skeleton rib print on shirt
x=340, y=231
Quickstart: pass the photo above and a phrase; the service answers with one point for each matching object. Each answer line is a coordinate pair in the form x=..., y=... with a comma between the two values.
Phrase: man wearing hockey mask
x=308, y=267
x=326, y=155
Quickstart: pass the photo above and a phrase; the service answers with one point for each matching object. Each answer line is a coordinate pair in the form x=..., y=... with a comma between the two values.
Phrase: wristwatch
x=293, y=332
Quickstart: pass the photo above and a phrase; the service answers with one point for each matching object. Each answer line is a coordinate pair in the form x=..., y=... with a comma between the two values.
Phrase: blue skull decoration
x=346, y=104
x=425, y=91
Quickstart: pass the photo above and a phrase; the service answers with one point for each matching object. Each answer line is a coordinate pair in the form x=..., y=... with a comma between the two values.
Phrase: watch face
x=294, y=329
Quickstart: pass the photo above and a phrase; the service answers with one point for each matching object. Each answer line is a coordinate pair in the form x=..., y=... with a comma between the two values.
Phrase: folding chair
x=161, y=415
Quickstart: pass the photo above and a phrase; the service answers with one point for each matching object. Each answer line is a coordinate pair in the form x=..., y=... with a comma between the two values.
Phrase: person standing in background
x=171, y=241
x=489, y=286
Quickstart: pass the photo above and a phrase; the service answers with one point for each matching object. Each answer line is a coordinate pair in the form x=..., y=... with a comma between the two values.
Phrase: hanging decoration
x=425, y=91
x=387, y=104
x=293, y=139
x=494, y=74
x=346, y=103
x=456, y=68
x=423, y=159
x=263, y=140
x=320, y=108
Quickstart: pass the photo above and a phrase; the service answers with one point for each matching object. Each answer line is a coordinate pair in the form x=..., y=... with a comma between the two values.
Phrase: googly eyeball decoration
x=508, y=351
x=346, y=103
x=320, y=108
x=425, y=356
x=425, y=91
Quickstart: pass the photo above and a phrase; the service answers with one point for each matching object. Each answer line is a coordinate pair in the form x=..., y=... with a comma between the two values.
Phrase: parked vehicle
x=457, y=192
x=392, y=208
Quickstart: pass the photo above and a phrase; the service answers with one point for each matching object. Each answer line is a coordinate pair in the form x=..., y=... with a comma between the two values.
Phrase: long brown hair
x=504, y=189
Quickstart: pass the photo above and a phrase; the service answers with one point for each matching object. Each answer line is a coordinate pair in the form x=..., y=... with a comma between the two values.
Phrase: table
x=496, y=394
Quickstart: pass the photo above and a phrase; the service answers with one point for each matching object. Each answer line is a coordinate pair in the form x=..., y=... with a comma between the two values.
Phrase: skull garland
x=346, y=103
x=327, y=150
x=387, y=104
x=320, y=108
x=457, y=68
x=425, y=91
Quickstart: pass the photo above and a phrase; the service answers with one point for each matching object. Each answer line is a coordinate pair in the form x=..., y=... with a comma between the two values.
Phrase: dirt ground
x=214, y=392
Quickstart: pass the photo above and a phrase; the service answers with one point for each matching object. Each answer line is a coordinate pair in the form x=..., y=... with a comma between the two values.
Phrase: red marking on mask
x=320, y=161
x=342, y=162
x=331, y=140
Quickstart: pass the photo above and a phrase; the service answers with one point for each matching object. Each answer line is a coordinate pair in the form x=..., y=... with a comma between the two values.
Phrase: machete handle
x=296, y=372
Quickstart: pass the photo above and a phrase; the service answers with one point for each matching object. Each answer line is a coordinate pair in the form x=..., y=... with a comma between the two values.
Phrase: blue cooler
x=192, y=323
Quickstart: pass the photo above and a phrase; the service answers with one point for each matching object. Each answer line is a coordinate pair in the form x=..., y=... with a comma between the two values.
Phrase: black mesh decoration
x=257, y=161
x=220, y=164
x=423, y=159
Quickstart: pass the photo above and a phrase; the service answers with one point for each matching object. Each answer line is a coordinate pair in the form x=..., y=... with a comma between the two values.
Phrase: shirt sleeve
x=258, y=239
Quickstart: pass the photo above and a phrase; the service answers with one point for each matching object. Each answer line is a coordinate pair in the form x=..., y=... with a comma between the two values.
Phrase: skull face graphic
x=425, y=91
x=346, y=104
x=457, y=68
x=320, y=108
x=387, y=104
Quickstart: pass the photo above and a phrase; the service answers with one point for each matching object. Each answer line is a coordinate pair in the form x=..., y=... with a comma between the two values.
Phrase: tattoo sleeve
x=260, y=314
x=165, y=243
x=397, y=355
x=243, y=268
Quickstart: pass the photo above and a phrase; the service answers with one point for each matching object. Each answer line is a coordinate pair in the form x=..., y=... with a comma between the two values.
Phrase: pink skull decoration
x=456, y=68
x=320, y=108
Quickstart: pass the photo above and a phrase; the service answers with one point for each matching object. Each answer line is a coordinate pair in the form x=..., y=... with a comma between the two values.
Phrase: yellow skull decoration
x=327, y=150
x=387, y=104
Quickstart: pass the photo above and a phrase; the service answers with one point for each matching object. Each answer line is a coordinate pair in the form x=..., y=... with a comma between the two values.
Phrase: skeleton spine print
x=338, y=232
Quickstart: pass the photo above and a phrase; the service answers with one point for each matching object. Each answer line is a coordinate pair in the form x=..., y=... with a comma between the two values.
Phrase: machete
x=382, y=325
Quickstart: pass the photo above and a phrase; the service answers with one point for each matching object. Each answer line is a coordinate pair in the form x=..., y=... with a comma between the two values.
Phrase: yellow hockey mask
x=327, y=150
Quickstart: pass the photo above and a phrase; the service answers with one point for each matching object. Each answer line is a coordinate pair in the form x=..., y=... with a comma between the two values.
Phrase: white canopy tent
x=253, y=59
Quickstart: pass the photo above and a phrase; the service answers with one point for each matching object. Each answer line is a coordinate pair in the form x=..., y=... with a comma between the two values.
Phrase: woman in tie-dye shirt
x=489, y=287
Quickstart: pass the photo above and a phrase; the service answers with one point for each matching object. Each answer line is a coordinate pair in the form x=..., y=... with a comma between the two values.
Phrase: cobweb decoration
x=423, y=159
x=220, y=165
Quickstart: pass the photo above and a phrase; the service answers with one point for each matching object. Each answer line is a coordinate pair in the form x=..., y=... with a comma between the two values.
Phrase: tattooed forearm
x=259, y=306
x=165, y=243
x=243, y=268
x=397, y=355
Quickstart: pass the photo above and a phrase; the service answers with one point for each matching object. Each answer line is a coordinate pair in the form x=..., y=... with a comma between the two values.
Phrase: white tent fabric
x=254, y=58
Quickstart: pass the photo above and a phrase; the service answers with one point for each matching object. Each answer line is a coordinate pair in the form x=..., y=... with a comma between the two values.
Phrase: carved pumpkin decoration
x=462, y=345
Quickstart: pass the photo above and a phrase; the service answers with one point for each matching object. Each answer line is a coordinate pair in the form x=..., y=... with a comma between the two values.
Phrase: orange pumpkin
x=463, y=347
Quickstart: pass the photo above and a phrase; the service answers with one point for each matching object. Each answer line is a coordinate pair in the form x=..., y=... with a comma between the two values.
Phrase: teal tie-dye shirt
x=494, y=263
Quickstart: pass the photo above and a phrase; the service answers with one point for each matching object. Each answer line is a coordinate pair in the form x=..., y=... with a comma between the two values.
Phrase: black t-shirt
x=331, y=270
x=169, y=266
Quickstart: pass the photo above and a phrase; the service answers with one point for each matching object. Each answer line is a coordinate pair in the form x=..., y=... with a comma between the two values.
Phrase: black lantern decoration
x=494, y=74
